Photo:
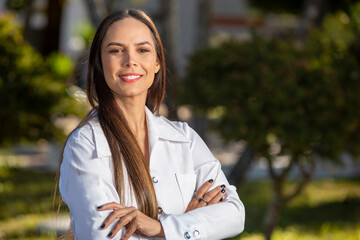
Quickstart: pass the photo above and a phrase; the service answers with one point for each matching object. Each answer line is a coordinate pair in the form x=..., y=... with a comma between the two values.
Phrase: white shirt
x=180, y=163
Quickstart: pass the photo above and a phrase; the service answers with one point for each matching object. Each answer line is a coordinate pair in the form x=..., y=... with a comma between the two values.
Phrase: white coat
x=180, y=163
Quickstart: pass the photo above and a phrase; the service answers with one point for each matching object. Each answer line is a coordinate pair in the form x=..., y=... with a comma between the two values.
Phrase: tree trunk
x=44, y=38
x=52, y=30
x=238, y=172
x=272, y=216
x=280, y=199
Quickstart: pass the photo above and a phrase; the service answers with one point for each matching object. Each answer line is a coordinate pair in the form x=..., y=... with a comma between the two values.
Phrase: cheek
x=107, y=66
x=150, y=63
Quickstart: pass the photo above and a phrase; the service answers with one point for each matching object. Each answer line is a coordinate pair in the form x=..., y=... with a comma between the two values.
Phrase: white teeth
x=131, y=77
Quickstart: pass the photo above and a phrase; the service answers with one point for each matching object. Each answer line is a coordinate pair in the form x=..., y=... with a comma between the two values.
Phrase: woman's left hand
x=203, y=197
x=131, y=218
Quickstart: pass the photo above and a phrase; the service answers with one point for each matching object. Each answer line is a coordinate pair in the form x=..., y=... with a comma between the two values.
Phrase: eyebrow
x=122, y=45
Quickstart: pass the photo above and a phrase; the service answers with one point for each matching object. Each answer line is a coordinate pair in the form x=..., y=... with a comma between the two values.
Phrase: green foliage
x=16, y=5
x=32, y=89
x=269, y=91
x=86, y=32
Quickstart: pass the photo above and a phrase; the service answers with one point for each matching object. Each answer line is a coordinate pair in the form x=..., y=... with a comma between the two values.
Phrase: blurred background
x=271, y=86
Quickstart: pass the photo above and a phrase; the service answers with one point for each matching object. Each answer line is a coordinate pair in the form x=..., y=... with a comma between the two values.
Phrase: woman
x=128, y=174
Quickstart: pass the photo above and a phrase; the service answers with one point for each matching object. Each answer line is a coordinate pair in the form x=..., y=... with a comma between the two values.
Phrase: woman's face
x=129, y=59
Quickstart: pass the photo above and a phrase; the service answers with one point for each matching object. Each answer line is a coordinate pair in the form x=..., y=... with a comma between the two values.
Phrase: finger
x=208, y=197
x=124, y=220
x=203, y=202
x=116, y=214
x=192, y=204
x=132, y=227
x=204, y=188
x=211, y=194
x=109, y=206
x=219, y=197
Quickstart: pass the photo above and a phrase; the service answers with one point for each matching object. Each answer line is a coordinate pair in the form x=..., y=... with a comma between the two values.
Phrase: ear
x=157, y=66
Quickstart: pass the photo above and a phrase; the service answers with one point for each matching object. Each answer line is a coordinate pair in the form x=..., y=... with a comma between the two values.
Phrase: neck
x=135, y=116
x=134, y=113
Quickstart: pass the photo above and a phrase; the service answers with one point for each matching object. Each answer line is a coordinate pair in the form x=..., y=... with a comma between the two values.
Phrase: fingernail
x=223, y=190
x=211, y=180
x=221, y=199
x=100, y=207
x=222, y=186
x=102, y=226
x=109, y=235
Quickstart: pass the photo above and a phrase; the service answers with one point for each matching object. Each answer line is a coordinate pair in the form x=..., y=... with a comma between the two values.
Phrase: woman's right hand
x=204, y=197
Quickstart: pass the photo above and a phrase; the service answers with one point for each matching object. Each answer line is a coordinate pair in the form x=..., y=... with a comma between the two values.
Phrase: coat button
x=155, y=179
x=196, y=233
x=187, y=235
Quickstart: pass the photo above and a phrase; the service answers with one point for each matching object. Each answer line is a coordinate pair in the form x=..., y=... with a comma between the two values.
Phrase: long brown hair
x=122, y=142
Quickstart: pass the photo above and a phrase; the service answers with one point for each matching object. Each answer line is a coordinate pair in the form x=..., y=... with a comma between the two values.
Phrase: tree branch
x=307, y=175
x=272, y=173
x=238, y=172
x=286, y=171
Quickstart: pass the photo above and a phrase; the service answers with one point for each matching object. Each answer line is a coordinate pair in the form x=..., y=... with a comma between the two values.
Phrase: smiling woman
x=129, y=56
x=127, y=173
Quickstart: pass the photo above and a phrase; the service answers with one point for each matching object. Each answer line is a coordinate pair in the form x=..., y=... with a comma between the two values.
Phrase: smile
x=130, y=77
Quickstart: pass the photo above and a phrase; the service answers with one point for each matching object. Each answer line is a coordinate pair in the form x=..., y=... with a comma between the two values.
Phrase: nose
x=129, y=59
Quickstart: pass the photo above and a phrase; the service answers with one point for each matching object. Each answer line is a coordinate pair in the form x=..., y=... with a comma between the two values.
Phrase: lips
x=130, y=77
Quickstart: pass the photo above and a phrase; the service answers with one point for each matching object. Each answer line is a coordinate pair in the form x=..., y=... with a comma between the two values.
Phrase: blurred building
x=184, y=25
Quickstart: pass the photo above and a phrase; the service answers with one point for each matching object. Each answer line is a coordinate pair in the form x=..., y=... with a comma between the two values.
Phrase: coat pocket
x=187, y=184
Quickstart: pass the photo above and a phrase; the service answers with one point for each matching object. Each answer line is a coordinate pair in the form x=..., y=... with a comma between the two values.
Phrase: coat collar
x=159, y=128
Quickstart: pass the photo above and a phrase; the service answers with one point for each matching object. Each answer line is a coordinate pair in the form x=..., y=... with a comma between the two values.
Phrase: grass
x=26, y=199
x=327, y=209
x=23, y=226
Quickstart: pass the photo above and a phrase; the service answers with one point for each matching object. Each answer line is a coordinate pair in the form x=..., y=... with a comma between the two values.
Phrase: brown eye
x=144, y=50
x=116, y=51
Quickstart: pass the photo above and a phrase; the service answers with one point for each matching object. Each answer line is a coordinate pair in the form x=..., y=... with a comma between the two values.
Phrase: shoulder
x=182, y=127
x=90, y=138
x=83, y=134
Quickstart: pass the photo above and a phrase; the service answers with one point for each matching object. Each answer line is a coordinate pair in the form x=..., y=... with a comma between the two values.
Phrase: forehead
x=127, y=31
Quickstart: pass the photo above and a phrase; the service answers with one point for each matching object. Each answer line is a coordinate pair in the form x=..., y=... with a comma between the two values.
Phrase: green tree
x=284, y=99
x=32, y=89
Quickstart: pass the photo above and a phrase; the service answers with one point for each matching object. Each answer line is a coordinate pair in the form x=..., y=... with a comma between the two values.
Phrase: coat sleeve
x=216, y=221
x=86, y=183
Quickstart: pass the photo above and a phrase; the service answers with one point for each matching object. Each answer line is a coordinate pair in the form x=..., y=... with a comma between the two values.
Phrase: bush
x=32, y=89
x=273, y=91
